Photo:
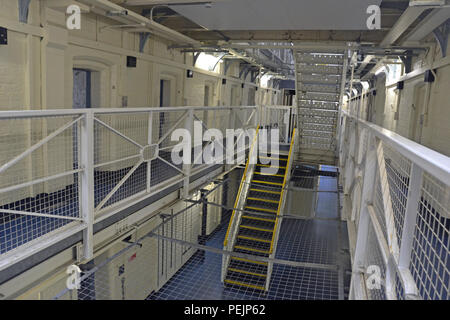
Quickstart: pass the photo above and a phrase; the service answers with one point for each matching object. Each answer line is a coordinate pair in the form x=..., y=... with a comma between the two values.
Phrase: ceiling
x=280, y=14
x=221, y=24
x=291, y=20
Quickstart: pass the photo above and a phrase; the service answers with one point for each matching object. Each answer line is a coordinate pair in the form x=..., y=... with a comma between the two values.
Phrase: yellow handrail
x=240, y=187
x=282, y=191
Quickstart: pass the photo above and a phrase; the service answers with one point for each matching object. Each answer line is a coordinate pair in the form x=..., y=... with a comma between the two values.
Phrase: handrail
x=15, y=114
x=431, y=161
x=240, y=189
x=282, y=192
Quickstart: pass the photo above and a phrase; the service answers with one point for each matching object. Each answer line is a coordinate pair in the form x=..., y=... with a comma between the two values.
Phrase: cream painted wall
x=436, y=129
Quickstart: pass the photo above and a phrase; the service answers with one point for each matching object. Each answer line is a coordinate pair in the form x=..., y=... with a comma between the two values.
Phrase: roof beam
x=103, y=6
x=408, y=17
x=364, y=63
x=433, y=20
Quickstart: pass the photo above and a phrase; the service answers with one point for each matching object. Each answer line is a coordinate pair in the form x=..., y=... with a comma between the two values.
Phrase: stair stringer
x=239, y=206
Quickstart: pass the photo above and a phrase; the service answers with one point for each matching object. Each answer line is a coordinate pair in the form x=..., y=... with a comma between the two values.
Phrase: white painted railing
x=399, y=201
x=61, y=171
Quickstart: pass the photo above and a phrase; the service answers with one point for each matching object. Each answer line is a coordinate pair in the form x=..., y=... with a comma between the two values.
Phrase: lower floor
x=311, y=261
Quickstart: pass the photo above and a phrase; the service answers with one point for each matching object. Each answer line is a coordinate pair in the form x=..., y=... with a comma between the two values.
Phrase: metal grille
x=378, y=205
x=398, y=170
x=430, y=262
x=58, y=167
x=374, y=257
x=399, y=292
x=39, y=178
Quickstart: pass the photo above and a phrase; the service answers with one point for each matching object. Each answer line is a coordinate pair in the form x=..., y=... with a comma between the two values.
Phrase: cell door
x=164, y=101
x=81, y=99
x=81, y=89
x=416, y=124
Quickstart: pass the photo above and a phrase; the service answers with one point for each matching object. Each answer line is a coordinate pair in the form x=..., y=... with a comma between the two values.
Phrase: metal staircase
x=257, y=224
x=320, y=84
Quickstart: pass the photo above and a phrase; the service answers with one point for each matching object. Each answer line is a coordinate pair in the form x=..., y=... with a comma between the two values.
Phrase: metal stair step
x=244, y=284
x=318, y=113
x=277, y=157
x=250, y=250
x=261, y=195
x=243, y=226
x=277, y=202
x=317, y=127
x=270, y=166
x=318, y=87
x=261, y=246
x=317, y=120
x=258, y=182
x=259, y=209
x=261, y=204
x=316, y=69
x=320, y=78
x=309, y=104
x=236, y=270
x=268, y=191
x=269, y=175
x=319, y=96
x=249, y=261
x=319, y=58
x=252, y=233
x=270, y=178
x=258, y=218
x=319, y=134
x=263, y=225
x=254, y=239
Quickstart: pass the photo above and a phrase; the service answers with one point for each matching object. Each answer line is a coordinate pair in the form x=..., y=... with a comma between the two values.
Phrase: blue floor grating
x=309, y=241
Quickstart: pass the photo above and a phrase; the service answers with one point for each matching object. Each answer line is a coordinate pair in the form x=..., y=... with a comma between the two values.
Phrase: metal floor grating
x=200, y=279
x=317, y=244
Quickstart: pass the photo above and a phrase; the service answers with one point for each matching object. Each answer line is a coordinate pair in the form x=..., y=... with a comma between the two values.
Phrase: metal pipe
x=103, y=6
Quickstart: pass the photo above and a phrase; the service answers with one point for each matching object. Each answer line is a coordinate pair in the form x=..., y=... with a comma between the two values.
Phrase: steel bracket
x=143, y=38
x=441, y=34
x=23, y=10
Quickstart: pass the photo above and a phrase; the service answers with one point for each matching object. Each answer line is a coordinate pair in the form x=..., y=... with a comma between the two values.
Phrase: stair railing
x=241, y=197
x=279, y=218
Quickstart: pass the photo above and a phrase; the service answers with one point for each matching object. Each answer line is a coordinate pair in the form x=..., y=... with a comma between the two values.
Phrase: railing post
x=189, y=125
x=149, y=142
x=357, y=284
x=87, y=182
x=229, y=147
x=409, y=224
x=341, y=100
